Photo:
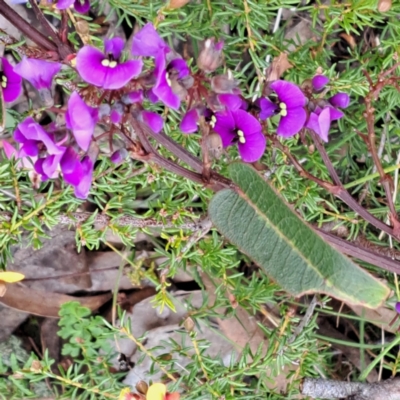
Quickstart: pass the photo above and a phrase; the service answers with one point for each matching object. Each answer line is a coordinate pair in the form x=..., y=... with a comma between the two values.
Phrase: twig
x=63, y=49
x=28, y=30
x=329, y=389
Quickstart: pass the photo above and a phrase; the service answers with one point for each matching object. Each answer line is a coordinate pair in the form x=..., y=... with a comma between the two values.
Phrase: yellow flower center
x=241, y=136
x=283, y=108
x=109, y=63
x=4, y=81
x=213, y=121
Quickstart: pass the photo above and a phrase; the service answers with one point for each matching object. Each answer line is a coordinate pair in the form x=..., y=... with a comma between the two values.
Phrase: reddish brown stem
x=29, y=31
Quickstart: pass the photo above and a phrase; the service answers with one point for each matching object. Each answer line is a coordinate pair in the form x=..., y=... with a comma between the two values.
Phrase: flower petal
x=324, y=121
x=147, y=42
x=341, y=100
x=82, y=8
x=189, y=121
x=153, y=120
x=9, y=149
x=319, y=81
x=13, y=87
x=114, y=46
x=335, y=114
x=254, y=147
x=38, y=72
x=119, y=76
x=225, y=127
x=246, y=123
x=268, y=108
x=88, y=64
x=289, y=93
x=79, y=118
x=180, y=66
x=64, y=4
x=231, y=101
x=82, y=189
x=292, y=122
x=71, y=167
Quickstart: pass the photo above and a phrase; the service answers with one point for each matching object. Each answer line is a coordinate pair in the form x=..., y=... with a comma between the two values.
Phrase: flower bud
x=224, y=83
x=118, y=156
x=211, y=57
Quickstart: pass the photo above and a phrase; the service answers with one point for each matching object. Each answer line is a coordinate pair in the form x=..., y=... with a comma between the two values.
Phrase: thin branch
x=63, y=49
x=28, y=30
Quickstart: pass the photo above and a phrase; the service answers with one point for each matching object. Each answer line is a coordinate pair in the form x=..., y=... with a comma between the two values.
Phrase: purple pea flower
x=77, y=173
x=189, y=123
x=153, y=120
x=242, y=128
x=38, y=72
x=290, y=107
x=104, y=69
x=163, y=87
x=341, y=100
x=11, y=82
x=148, y=43
x=30, y=134
x=81, y=119
x=81, y=6
x=320, y=119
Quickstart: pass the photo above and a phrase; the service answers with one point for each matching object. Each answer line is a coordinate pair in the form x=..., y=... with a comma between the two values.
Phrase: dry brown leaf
x=349, y=39
x=46, y=304
x=243, y=330
x=381, y=316
x=278, y=67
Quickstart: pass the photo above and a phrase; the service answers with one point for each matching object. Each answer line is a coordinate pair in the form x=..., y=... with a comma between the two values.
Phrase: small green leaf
x=258, y=221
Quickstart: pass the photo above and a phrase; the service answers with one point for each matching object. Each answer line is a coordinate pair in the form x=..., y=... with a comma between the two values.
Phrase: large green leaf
x=257, y=220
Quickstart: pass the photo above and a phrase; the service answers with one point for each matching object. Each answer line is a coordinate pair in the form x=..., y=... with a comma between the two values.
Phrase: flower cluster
x=125, y=89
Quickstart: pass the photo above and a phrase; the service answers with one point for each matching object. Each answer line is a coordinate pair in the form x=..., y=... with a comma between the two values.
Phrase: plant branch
x=63, y=49
x=29, y=31
x=339, y=191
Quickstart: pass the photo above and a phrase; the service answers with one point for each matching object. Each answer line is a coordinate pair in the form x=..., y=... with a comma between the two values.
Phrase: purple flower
x=319, y=81
x=148, y=43
x=242, y=128
x=153, y=120
x=119, y=156
x=81, y=119
x=104, y=69
x=320, y=121
x=30, y=134
x=290, y=107
x=11, y=82
x=38, y=72
x=132, y=97
x=47, y=167
x=162, y=88
x=189, y=123
x=397, y=307
x=81, y=6
x=77, y=173
x=341, y=100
